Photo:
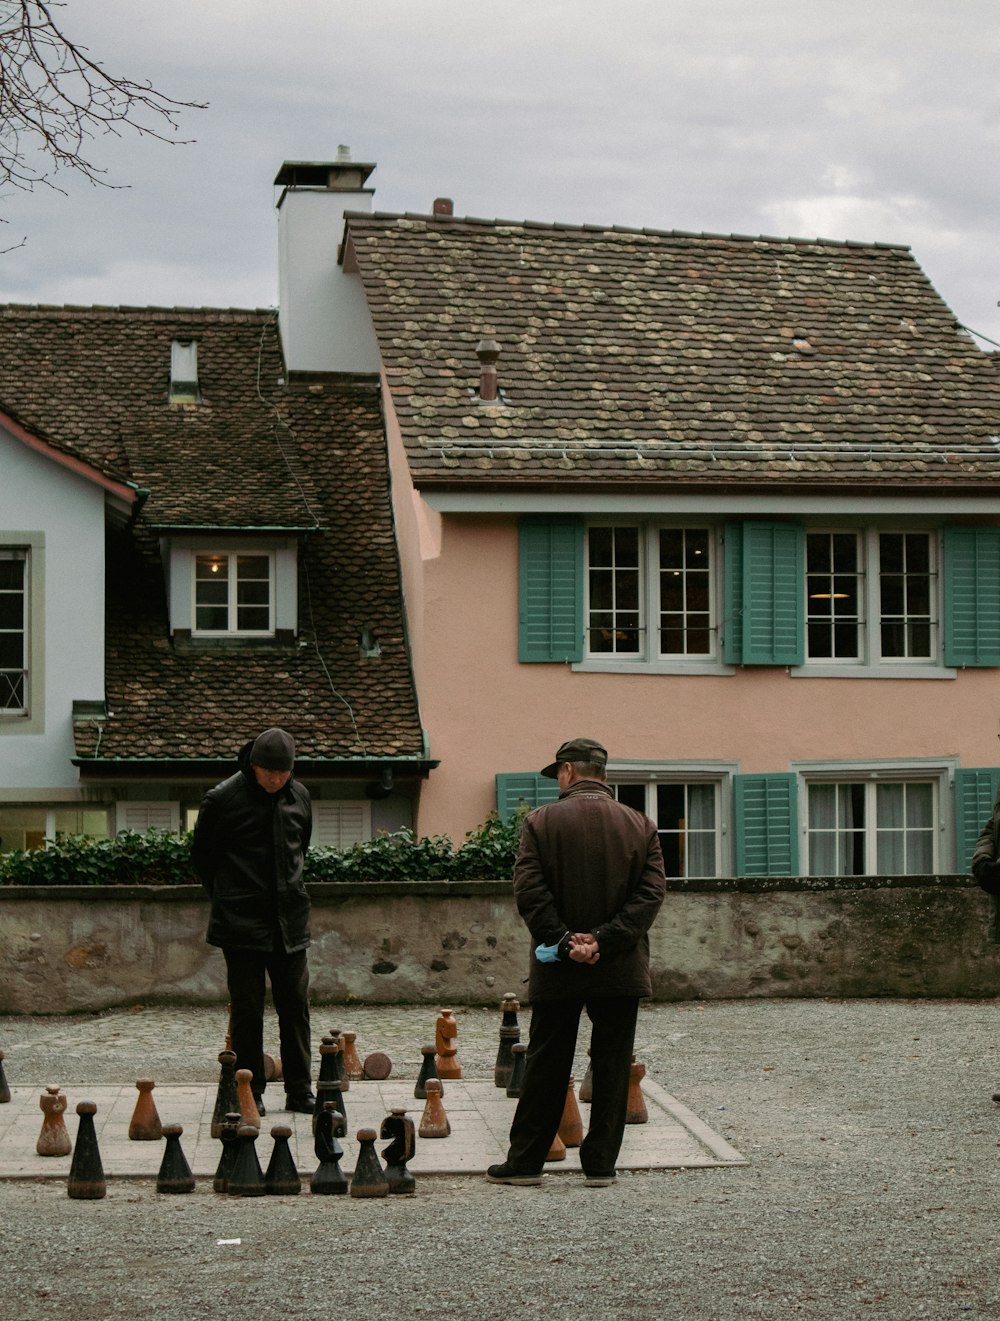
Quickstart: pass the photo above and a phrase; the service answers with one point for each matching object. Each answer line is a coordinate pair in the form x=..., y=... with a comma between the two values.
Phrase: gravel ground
x=871, y=1192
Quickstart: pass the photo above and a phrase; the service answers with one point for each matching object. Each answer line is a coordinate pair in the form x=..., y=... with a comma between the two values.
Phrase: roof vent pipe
x=487, y=351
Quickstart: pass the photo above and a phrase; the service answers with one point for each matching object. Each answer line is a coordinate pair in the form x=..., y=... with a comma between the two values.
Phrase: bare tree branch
x=55, y=98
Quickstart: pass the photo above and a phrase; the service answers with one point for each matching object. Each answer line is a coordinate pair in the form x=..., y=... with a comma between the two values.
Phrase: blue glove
x=547, y=953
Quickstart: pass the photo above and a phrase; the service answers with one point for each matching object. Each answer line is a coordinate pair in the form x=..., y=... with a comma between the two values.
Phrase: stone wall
x=70, y=949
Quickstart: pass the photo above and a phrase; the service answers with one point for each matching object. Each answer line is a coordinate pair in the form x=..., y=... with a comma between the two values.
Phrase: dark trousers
x=289, y=976
x=548, y=1065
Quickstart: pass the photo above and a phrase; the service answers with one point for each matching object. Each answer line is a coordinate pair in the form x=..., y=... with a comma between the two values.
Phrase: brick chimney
x=323, y=317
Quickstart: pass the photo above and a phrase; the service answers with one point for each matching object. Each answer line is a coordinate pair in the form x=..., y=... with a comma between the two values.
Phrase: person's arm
x=532, y=895
x=985, y=867
x=636, y=915
x=204, y=844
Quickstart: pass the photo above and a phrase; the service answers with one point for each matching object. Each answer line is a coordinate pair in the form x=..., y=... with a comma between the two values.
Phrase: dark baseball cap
x=274, y=750
x=577, y=749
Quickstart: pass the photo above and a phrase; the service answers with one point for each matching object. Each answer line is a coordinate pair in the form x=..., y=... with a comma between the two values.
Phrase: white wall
x=39, y=497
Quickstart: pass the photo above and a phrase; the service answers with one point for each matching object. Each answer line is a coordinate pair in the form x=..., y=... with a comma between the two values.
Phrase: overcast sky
x=861, y=119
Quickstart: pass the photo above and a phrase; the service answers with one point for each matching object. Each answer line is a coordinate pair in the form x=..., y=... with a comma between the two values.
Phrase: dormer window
x=234, y=594
x=184, y=372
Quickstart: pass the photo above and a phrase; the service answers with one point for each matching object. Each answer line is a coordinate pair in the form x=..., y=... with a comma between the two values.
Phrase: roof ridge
x=107, y=310
x=560, y=227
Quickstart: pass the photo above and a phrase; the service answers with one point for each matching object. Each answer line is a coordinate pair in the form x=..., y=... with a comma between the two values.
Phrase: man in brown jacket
x=588, y=882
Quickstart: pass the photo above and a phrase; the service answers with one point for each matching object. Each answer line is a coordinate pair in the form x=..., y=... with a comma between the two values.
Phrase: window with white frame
x=687, y=821
x=870, y=596
x=649, y=592
x=234, y=593
x=872, y=827
x=35, y=826
x=13, y=631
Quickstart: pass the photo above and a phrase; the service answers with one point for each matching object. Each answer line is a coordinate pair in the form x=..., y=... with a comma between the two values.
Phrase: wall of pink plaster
x=485, y=712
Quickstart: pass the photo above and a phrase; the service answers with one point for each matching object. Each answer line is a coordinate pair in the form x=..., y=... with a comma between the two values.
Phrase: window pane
x=11, y=610
x=833, y=595
x=836, y=820
x=212, y=619
x=252, y=566
x=11, y=651
x=684, y=581
x=11, y=575
x=905, y=595
x=632, y=795
x=211, y=567
x=614, y=584
x=253, y=593
x=252, y=619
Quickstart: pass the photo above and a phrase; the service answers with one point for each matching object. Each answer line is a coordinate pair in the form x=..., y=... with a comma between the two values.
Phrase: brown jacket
x=588, y=863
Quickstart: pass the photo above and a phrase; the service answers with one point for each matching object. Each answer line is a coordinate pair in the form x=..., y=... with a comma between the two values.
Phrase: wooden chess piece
x=339, y=1072
x=245, y=1098
x=510, y=1035
x=225, y=1097
x=4, y=1089
x=86, y=1173
x=272, y=1069
x=329, y=1177
x=331, y=1092
x=282, y=1178
x=369, y=1177
x=587, y=1086
x=229, y=1137
x=558, y=1149
x=428, y=1069
x=246, y=1179
x=571, y=1125
x=434, y=1123
x=636, y=1112
x=446, y=1050
x=145, y=1125
x=54, y=1139
x=377, y=1066
x=399, y=1126
x=517, y=1071
x=175, y=1173
x=352, y=1064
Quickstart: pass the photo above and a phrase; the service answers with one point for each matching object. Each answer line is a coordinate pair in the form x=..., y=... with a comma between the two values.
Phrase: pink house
x=729, y=504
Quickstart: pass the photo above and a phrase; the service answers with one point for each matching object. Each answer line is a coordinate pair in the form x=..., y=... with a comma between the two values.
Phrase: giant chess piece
x=86, y=1173
x=225, y=1097
x=510, y=1035
x=282, y=1178
x=246, y=1179
x=353, y=1069
x=445, y=1039
x=4, y=1089
x=377, y=1066
x=571, y=1125
x=369, y=1177
x=587, y=1086
x=54, y=1139
x=175, y=1173
x=636, y=1112
x=434, y=1123
x=145, y=1125
x=339, y=1072
x=428, y=1069
x=399, y=1126
x=517, y=1072
x=246, y=1101
x=331, y=1092
x=329, y=1178
x=558, y=1149
x=229, y=1135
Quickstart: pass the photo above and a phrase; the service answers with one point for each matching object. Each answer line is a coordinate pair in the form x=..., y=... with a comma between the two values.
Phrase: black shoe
x=258, y=1102
x=304, y=1104
x=599, y=1178
x=507, y=1174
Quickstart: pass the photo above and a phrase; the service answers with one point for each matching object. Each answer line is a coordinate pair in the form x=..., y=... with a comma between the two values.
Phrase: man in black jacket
x=250, y=841
x=588, y=882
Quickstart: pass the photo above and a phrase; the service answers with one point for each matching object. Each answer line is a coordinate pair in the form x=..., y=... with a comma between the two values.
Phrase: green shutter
x=517, y=788
x=975, y=794
x=972, y=596
x=550, y=585
x=773, y=594
x=732, y=593
x=767, y=837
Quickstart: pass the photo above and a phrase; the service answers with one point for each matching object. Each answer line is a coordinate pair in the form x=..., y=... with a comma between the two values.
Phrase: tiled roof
x=666, y=358
x=308, y=454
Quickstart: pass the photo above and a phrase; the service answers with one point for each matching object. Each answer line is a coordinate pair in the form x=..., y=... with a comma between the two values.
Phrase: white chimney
x=324, y=319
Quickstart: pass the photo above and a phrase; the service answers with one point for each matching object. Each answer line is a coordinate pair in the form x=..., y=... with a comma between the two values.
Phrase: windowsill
x=283, y=640
x=883, y=670
x=662, y=666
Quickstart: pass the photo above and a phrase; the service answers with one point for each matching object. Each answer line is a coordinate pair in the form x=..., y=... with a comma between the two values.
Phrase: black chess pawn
x=331, y=1092
x=339, y=1073
x=517, y=1071
x=369, y=1177
x=4, y=1089
x=400, y=1127
x=282, y=1178
x=225, y=1098
x=175, y=1173
x=509, y=1037
x=327, y=1050
x=246, y=1178
x=329, y=1177
x=427, y=1070
x=229, y=1136
x=86, y=1173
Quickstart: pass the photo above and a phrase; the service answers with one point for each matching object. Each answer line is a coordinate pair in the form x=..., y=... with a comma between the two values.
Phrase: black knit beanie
x=274, y=750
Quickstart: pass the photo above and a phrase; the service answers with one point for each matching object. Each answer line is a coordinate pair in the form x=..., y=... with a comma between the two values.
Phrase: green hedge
x=157, y=858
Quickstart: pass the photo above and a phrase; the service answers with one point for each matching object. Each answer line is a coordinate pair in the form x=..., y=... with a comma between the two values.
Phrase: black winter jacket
x=588, y=863
x=248, y=853
x=985, y=856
